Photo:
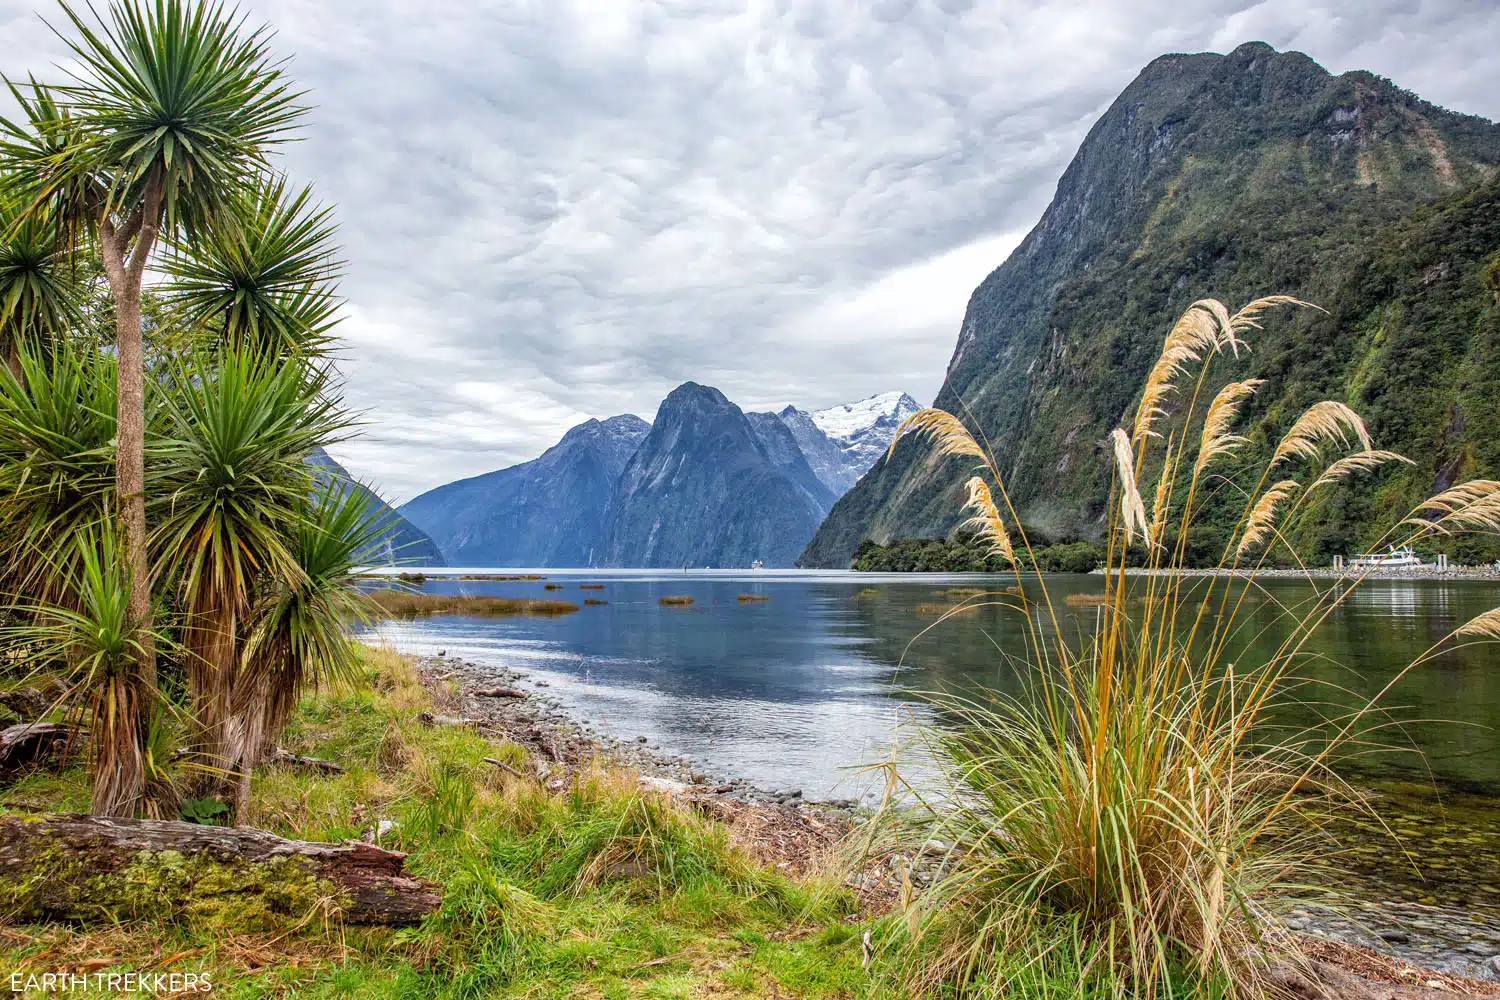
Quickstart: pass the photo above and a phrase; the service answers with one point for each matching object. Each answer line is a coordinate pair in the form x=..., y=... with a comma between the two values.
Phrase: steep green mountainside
x=1229, y=177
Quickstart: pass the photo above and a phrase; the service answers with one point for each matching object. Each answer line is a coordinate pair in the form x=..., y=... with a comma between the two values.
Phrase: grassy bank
x=595, y=889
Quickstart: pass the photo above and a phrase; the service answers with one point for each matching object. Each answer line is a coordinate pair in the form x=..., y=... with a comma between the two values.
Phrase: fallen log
x=94, y=868
x=433, y=719
x=29, y=742
x=498, y=692
x=504, y=767
x=297, y=762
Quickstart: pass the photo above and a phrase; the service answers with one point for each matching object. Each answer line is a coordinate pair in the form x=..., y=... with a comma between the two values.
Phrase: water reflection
x=796, y=690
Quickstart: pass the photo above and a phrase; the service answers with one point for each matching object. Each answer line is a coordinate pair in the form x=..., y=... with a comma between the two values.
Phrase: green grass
x=597, y=889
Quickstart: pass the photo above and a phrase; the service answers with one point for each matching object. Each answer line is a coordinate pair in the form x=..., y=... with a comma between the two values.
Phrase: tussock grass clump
x=594, y=602
x=404, y=604
x=675, y=600
x=1131, y=818
x=749, y=598
x=591, y=586
x=500, y=576
x=552, y=586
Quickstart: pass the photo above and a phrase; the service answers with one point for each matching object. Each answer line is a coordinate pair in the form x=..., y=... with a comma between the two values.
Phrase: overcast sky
x=554, y=210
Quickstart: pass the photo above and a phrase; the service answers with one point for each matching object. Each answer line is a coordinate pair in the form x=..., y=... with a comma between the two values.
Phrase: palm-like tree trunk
x=124, y=267
x=212, y=650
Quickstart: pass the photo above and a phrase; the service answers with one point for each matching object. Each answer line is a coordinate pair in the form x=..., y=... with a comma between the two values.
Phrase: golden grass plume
x=1360, y=461
x=988, y=528
x=1216, y=439
x=1263, y=514
x=1471, y=506
x=1329, y=420
x=1132, y=507
x=1485, y=626
x=1206, y=328
x=946, y=430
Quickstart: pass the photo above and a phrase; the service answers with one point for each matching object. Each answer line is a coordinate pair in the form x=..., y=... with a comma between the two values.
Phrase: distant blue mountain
x=401, y=542
x=710, y=486
x=546, y=512
x=706, y=485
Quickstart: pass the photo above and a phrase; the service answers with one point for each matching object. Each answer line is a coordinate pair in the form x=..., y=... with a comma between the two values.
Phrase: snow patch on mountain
x=853, y=421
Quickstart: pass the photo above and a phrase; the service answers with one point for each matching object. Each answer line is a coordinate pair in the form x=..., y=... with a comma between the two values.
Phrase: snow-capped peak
x=845, y=423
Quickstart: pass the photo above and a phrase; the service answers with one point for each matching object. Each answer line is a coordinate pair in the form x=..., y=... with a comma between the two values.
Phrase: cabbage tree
x=169, y=113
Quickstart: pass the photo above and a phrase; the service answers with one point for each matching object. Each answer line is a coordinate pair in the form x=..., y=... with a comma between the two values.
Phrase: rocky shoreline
x=783, y=829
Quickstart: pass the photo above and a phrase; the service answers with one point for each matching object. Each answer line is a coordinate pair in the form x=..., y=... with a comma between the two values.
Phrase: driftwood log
x=497, y=692
x=29, y=742
x=297, y=762
x=71, y=867
x=432, y=719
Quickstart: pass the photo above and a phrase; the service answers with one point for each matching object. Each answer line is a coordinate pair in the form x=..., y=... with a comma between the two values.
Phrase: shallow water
x=801, y=690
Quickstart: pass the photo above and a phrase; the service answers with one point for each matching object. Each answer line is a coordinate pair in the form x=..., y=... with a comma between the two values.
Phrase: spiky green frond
x=262, y=275
x=186, y=92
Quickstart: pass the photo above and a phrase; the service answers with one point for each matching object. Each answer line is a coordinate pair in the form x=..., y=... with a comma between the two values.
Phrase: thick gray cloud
x=553, y=210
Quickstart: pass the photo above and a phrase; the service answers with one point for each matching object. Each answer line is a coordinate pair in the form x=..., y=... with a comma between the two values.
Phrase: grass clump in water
x=405, y=604
x=751, y=598
x=675, y=600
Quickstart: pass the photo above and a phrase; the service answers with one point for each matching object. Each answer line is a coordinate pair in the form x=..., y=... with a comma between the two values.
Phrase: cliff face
x=1224, y=176
x=830, y=463
x=704, y=490
x=546, y=512
x=401, y=543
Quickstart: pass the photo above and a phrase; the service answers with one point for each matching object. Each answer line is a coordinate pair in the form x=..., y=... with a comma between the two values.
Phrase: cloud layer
x=554, y=210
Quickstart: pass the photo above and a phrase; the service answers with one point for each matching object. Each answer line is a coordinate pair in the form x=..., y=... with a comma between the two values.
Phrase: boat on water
x=1394, y=558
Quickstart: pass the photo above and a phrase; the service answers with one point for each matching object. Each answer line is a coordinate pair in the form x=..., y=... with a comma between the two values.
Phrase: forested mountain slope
x=1228, y=176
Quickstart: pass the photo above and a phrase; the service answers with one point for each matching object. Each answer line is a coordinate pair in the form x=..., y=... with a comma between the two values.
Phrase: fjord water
x=800, y=690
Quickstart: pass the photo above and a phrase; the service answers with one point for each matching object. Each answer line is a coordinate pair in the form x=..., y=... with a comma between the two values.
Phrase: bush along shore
x=962, y=553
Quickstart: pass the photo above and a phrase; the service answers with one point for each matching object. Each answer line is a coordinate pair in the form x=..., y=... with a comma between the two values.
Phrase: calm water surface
x=799, y=690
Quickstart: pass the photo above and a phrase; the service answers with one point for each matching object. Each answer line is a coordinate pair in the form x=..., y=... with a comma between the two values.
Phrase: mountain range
x=706, y=484
x=1230, y=177
x=549, y=511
